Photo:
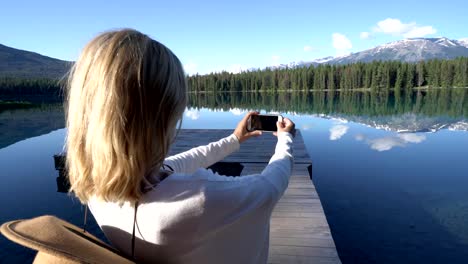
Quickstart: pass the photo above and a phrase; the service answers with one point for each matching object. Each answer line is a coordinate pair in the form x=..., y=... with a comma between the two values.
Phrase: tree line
x=26, y=86
x=377, y=75
x=17, y=92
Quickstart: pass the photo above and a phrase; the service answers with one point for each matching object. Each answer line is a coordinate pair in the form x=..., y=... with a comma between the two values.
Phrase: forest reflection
x=418, y=111
x=437, y=102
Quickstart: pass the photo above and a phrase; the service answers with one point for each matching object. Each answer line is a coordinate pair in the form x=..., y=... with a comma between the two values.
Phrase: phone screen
x=263, y=122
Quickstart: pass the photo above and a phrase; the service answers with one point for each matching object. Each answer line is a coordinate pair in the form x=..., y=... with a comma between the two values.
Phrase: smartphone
x=263, y=122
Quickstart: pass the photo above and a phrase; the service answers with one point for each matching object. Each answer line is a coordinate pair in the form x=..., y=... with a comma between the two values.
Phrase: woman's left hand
x=241, y=130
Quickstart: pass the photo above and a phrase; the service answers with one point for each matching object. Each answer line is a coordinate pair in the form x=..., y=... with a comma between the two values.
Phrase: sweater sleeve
x=279, y=168
x=272, y=181
x=203, y=156
x=253, y=196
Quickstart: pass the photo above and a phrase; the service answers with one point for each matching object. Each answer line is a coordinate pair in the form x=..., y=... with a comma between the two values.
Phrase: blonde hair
x=125, y=95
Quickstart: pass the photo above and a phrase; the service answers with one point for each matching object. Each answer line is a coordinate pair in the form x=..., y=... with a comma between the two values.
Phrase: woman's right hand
x=241, y=131
x=286, y=126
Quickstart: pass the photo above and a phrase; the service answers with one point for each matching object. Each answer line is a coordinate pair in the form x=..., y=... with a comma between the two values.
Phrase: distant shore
x=7, y=105
x=422, y=88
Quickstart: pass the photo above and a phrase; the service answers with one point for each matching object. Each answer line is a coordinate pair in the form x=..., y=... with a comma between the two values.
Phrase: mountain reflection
x=420, y=111
x=20, y=124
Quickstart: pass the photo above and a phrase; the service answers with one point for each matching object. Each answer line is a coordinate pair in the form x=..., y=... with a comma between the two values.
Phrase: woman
x=126, y=95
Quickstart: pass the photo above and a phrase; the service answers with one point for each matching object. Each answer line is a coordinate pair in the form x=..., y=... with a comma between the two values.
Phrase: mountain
x=464, y=42
x=407, y=50
x=26, y=64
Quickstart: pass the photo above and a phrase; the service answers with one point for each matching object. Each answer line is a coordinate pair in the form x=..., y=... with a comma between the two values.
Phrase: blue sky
x=231, y=35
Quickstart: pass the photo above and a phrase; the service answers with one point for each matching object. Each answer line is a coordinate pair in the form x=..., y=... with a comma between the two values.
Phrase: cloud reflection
x=237, y=111
x=360, y=137
x=337, y=131
x=387, y=143
x=192, y=114
x=306, y=127
x=412, y=138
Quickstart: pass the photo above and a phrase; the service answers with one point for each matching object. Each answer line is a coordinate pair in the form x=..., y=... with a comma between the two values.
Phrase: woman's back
x=200, y=216
x=126, y=95
x=192, y=219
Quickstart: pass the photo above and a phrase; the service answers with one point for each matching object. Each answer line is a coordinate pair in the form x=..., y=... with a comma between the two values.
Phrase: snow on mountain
x=407, y=50
x=463, y=42
x=323, y=60
x=445, y=42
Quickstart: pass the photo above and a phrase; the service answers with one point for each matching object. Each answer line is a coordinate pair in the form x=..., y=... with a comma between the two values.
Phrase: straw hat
x=60, y=242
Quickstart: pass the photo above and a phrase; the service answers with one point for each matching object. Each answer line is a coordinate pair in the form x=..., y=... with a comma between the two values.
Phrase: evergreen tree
x=420, y=73
x=410, y=73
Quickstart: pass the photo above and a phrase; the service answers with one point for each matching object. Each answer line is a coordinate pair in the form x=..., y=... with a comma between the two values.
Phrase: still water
x=391, y=173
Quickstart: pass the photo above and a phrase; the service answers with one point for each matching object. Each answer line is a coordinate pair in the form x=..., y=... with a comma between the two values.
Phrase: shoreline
x=422, y=88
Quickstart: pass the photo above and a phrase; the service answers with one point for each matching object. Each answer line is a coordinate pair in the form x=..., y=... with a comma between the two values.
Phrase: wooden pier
x=299, y=231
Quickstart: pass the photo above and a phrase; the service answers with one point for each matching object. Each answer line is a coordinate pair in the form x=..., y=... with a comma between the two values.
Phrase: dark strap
x=133, y=232
x=163, y=175
x=85, y=217
x=170, y=168
x=134, y=225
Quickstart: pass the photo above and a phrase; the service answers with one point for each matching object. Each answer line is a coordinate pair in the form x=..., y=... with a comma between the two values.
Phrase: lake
x=391, y=170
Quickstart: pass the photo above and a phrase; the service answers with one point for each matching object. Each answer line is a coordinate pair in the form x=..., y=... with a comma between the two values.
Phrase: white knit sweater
x=197, y=216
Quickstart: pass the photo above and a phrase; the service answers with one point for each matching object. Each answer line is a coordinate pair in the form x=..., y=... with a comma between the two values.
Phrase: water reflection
x=337, y=131
x=422, y=111
x=306, y=127
x=20, y=124
x=440, y=102
x=393, y=192
x=237, y=111
x=192, y=114
x=389, y=142
x=390, y=171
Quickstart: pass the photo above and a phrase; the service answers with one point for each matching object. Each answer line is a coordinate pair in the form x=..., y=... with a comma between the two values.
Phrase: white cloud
x=190, y=68
x=192, y=114
x=365, y=35
x=337, y=131
x=341, y=43
x=387, y=143
x=308, y=48
x=395, y=27
x=419, y=32
x=237, y=111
